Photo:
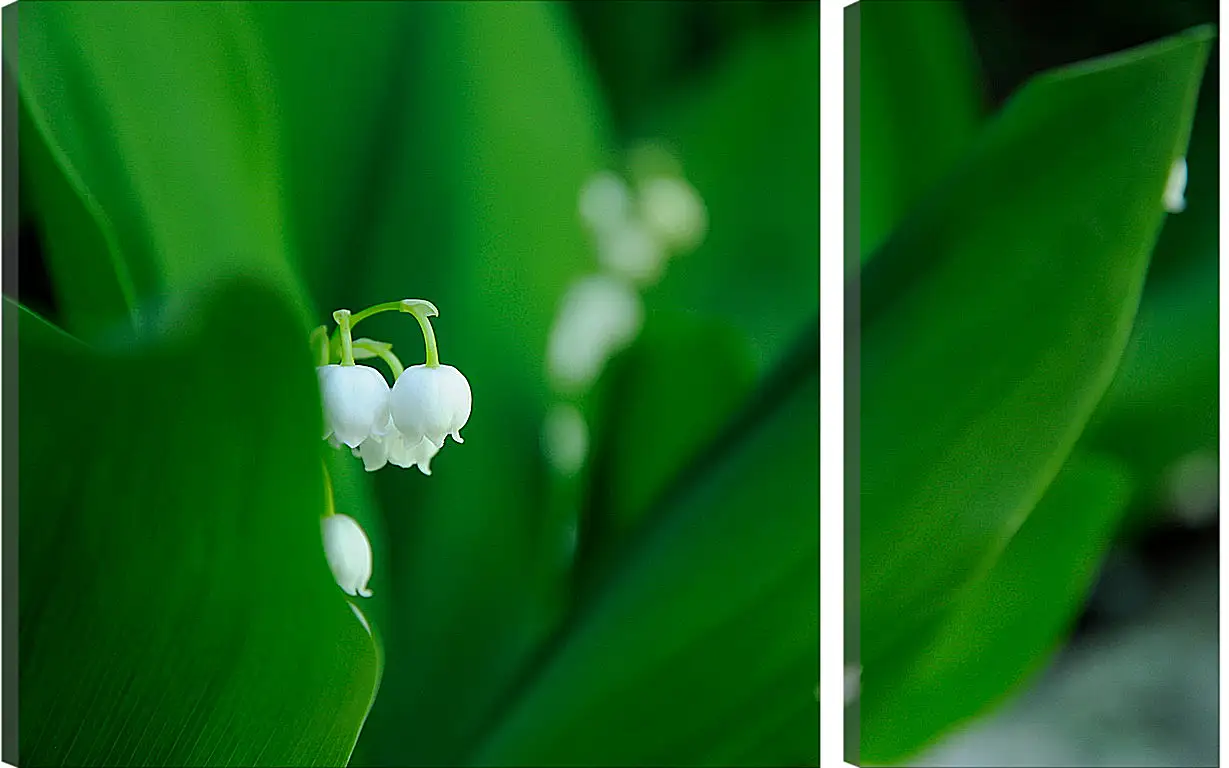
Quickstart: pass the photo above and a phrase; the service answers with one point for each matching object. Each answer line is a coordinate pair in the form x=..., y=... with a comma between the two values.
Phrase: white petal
x=355, y=402
x=322, y=372
x=406, y=454
x=348, y=553
x=374, y=453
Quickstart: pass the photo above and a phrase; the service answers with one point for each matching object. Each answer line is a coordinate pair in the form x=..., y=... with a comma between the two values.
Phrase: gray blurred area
x=1139, y=688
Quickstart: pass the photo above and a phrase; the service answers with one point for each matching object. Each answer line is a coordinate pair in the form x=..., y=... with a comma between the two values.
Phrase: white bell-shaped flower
x=392, y=447
x=355, y=399
x=430, y=402
x=1175, y=187
x=349, y=553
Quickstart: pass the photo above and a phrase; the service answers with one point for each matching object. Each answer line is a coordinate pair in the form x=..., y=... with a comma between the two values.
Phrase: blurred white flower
x=349, y=553
x=605, y=202
x=674, y=212
x=565, y=438
x=355, y=399
x=430, y=402
x=631, y=251
x=599, y=315
x=1175, y=187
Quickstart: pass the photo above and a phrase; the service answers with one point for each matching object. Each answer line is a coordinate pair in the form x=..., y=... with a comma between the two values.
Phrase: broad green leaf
x=993, y=321
x=1163, y=403
x=346, y=79
x=158, y=115
x=1004, y=625
x=919, y=104
x=669, y=395
x=94, y=294
x=712, y=618
x=176, y=607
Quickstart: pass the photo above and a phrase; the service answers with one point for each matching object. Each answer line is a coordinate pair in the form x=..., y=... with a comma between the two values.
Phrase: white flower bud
x=430, y=403
x=355, y=399
x=1175, y=187
x=349, y=553
x=598, y=316
x=673, y=210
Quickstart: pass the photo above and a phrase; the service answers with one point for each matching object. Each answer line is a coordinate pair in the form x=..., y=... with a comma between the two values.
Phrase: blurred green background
x=203, y=183
x=1039, y=382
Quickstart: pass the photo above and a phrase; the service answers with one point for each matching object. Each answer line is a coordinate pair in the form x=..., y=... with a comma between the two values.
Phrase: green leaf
x=669, y=395
x=176, y=606
x=993, y=321
x=1163, y=402
x=1004, y=625
x=94, y=295
x=158, y=117
x=745, y=139
x=712, y=617
x=918, y=109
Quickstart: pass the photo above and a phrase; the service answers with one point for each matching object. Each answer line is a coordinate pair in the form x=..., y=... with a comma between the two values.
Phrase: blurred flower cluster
x=636, y=227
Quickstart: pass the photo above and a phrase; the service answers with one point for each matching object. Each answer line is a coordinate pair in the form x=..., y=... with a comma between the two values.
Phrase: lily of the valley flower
x=395, y=448
x=348, y=552
x=404, y=425
x=431, y=402
x=355, y=399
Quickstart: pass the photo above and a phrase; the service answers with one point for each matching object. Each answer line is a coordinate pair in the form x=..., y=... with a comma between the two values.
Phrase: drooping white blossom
x=1175, y=187
x=598, y=316
x=565, y=438
x=673, y=211
x=432, y=403
x=348, y=552
x=605, y=202
x=355, y=399
x=392, y=447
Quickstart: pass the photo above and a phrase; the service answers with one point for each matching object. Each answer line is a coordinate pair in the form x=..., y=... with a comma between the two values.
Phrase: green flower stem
x=421, y=314
x=342, y=316
x=421, y=309
x=384, y=352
